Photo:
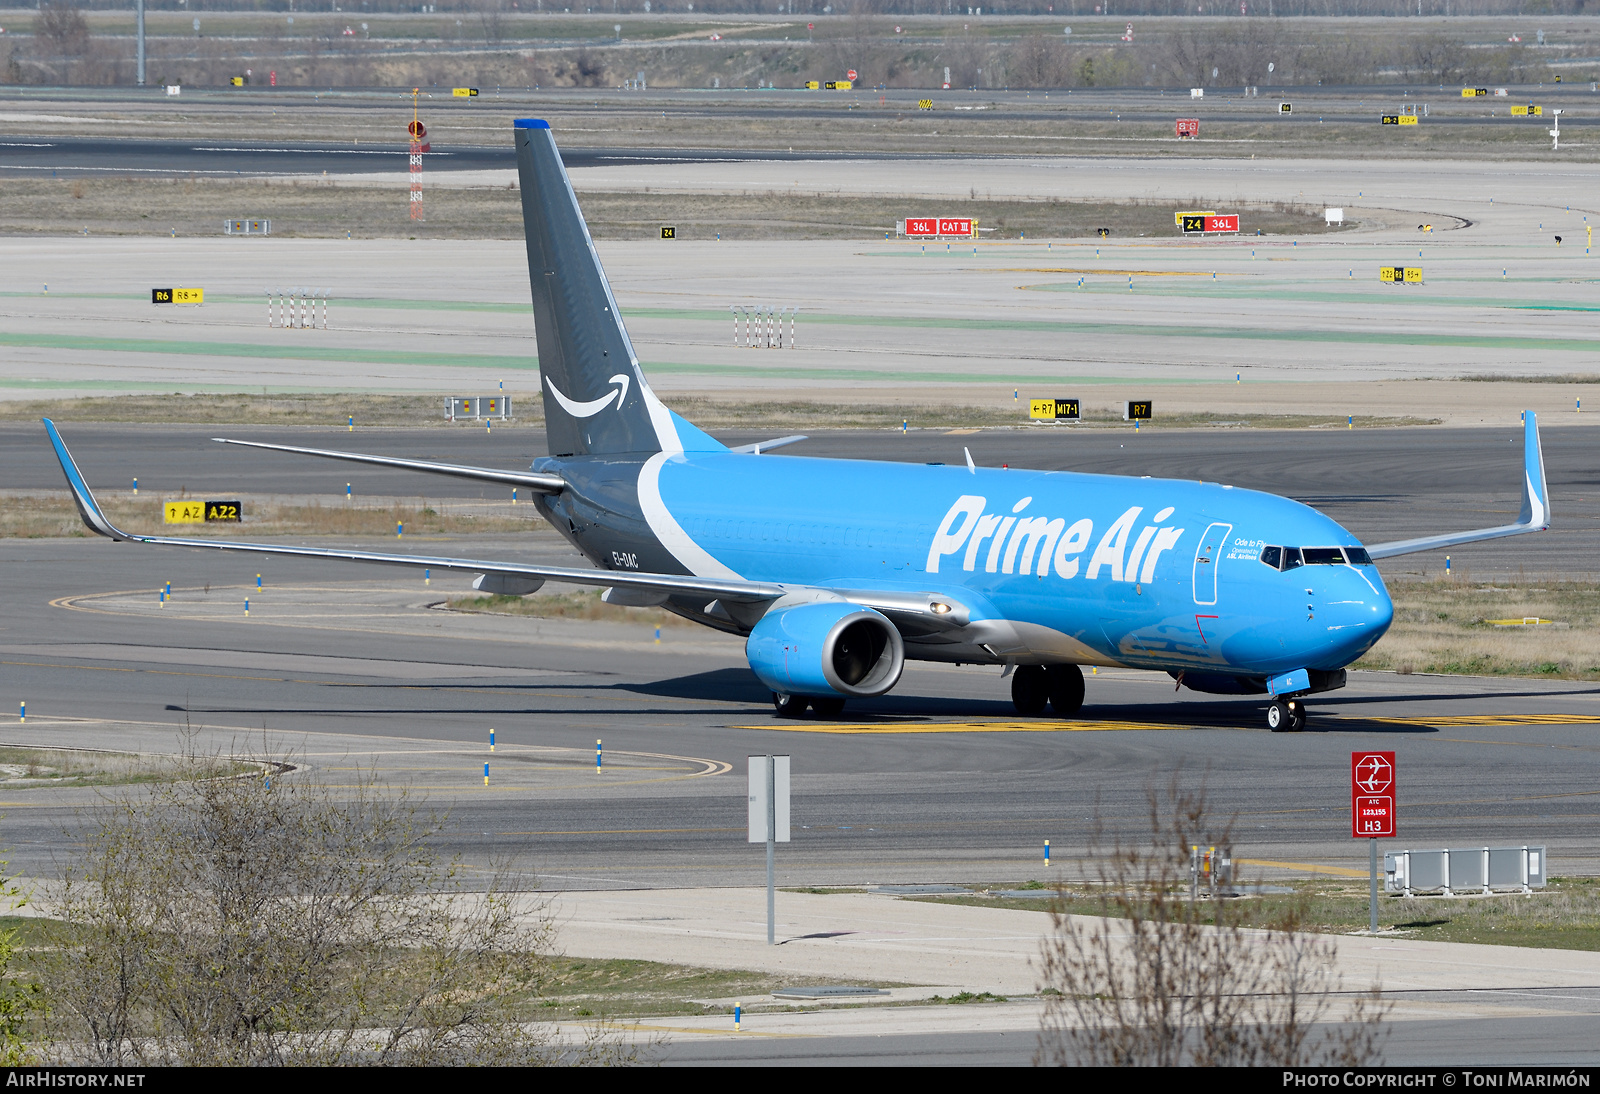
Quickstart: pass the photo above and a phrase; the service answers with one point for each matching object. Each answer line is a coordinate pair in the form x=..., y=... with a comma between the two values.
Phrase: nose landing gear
x=1061, y=686
x=1286, y=716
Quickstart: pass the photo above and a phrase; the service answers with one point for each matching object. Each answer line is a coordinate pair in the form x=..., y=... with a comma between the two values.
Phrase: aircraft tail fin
x=596, y=399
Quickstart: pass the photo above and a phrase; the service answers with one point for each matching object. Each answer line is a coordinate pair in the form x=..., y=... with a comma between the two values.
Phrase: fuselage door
x=1207, y=556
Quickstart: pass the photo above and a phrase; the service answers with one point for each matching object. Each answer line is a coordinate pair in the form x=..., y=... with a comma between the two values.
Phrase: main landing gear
x=1286, y=716
x=1032, y=686
x=794, y=706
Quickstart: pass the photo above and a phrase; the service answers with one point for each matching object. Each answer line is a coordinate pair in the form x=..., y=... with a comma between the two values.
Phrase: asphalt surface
x=352, y=659
x=1382, y=484
x=64, y=155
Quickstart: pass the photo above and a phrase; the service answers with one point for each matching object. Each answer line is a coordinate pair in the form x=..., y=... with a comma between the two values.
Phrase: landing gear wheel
x=1278, y=717
x=789, y=706
x=1297, y=716
x=828, y=708
x=1030, y=689
x=1066, y=689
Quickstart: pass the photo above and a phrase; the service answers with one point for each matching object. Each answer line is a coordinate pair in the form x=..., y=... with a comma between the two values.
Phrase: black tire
x=828, y=708
x=1066, y=689
x=1278, y=717
x=1030, y=689
x=1297, y=716
x=789, y=706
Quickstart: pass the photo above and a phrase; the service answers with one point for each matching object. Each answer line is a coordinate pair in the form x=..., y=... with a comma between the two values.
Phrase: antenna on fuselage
x=970, y=465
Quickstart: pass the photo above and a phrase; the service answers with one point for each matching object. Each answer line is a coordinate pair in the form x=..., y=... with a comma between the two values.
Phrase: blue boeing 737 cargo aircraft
x=837, y=571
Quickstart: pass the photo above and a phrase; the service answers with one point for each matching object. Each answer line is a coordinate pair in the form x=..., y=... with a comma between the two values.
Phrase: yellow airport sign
x=1529, y=111
x=464, y=92
x=186, y=512
x=813, y=85
x=188, y=296
x=1473, y=92
x=924, y=104
x=1397, y=275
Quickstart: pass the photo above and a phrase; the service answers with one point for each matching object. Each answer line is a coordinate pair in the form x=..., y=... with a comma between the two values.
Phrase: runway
x=1381, y=484
x=936, y=782
x=67, y=156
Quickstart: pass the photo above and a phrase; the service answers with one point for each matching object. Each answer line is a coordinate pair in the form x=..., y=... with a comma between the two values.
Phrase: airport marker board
x=177, y=296
x=669, y=232
x=1529, y=111
x=1203, y=224
x=1139, y=410
x=1053, y=410
x=202, y=512
x=1399, y=119
x=1372, y=795
x=464, y=92
x=939, y=227
x=1396, y=275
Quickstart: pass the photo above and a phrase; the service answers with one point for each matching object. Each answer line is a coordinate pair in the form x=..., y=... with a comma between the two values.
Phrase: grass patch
x=1565, y=915
x=1444, y=627
x=31, y=516
x=28, y=768
x=576, y=604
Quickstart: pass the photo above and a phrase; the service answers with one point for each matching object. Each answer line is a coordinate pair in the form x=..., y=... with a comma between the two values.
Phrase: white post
x=792, y=313
x=734, y=309
x=269, y=308
x=772, y=836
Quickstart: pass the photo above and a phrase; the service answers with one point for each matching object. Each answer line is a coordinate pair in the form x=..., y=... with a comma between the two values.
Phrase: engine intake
x=829, y=648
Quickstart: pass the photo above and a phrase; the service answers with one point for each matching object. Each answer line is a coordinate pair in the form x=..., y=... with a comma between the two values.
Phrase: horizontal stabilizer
x=767, y=446
x=1534, y=517
x=539, y=484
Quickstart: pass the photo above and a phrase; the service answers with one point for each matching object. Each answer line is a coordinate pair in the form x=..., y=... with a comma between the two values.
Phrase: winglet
x=1535, y=494
x=88, y=508
x=1535, y=515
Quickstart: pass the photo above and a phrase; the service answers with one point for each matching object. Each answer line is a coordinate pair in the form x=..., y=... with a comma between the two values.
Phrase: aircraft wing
x=533, y=480
x=732, y=589
x=1535, y=515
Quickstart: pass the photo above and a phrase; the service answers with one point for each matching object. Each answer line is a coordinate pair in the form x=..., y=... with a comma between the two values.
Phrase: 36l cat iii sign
x=1372, y=795
x=938, y=227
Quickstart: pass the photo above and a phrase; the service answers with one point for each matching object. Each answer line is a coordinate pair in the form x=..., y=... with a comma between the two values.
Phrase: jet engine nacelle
x=827, y=648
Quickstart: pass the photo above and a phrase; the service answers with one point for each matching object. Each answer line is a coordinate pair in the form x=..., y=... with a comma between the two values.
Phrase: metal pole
x=141, y=42
x=772, y=835
x=1374, y=858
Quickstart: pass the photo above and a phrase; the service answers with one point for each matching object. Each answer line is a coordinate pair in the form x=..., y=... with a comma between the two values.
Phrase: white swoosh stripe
x=666, y=527
x=594, y=406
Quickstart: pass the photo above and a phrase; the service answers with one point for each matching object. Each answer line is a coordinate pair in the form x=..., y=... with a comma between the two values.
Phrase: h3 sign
x=1372, y=795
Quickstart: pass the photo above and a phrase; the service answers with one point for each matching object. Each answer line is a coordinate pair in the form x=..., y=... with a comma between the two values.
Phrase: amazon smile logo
x=593, y=406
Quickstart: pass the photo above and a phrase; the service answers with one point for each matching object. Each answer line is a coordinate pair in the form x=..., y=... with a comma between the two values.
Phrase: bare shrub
x=1158, y=979
x=62, y=30
x=231, y=922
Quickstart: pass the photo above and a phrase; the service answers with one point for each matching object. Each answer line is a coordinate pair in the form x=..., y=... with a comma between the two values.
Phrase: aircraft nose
x=1353, y=608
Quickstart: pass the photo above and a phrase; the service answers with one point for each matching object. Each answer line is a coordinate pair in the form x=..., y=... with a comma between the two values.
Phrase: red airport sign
x=1188, y=127
x=933, y=227
x=851, y=75
x=1372, y=795
x=1209, y=223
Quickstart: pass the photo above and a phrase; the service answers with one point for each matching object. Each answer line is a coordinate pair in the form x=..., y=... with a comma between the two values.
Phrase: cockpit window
x=1287, y=558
